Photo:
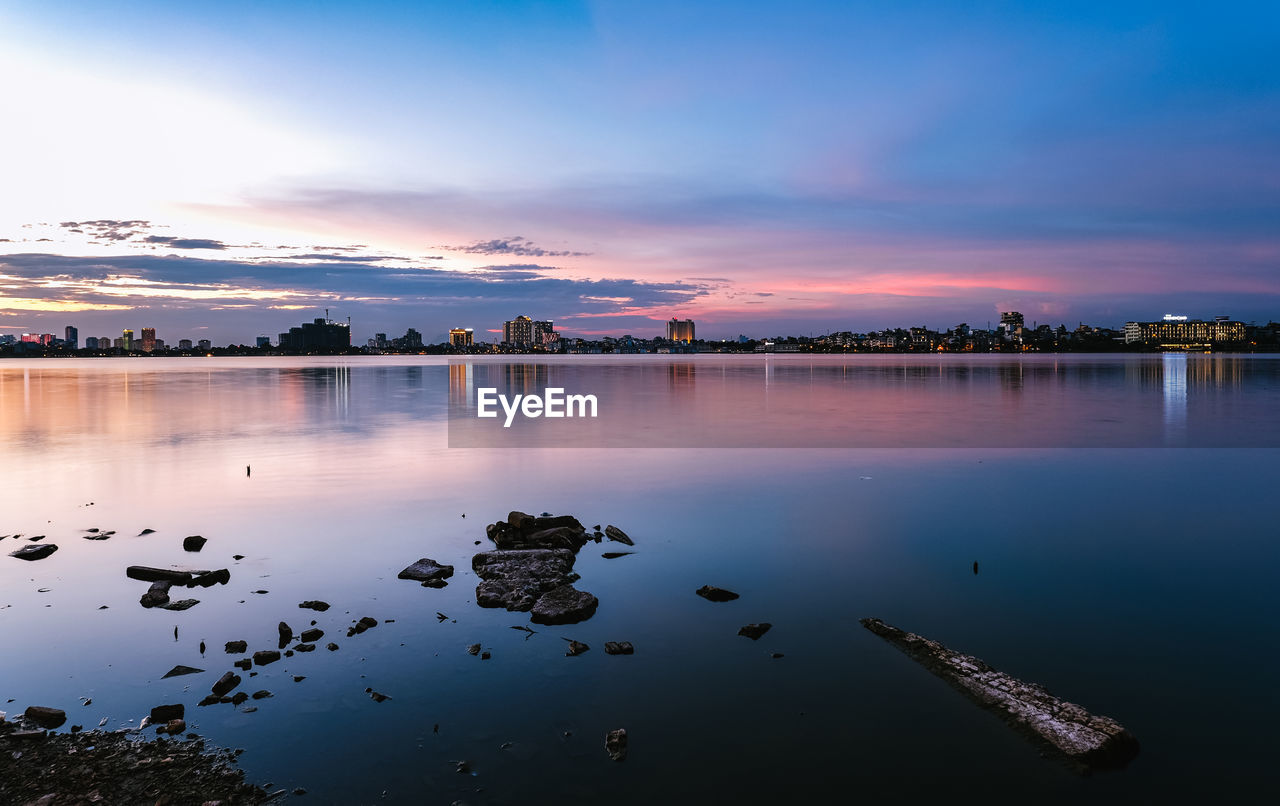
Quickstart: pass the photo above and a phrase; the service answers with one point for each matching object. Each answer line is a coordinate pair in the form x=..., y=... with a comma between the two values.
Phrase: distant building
x=204, y=344
x=411, y=340
x=46, y=339
x=1175, y=332
x=680, y=330
x=320, y=335
x=1011, y=320
x=125, y=340
x=148, y=339
x=91, y=343
x=184, y=344
x=72, y=339
x=518, y=332
x=461, y=337
x=264, y=341
x=544, y=332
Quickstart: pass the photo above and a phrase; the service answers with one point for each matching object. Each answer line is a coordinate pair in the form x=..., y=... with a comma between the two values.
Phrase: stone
x=225, y=683
x=613, y=555
x=237, y=647
x=45, y=717
x=332, y=647
x=564, y=605
x=244, y=664
x=429, y=572
x=262, y=695
x=173, y=727
x=1084, y=740
x=210, y=578
x=177, y=671
x=145, y=573
x=615, y=743
x=576, y=648
x=286, y=632
x=617, y=535
x=181, y=604
x=193, y=543
x=146, y=532
x=376, y=696
x=713, y=594
x=515, y=579
x=304, y=648
x=157, y=595
x=474, y=649
x=619, y=648
x=166, y=713
x=239, y=697
x=754, y=631
x=264, y=656
x=34, y=552
x=312, y=635
x=314, y=604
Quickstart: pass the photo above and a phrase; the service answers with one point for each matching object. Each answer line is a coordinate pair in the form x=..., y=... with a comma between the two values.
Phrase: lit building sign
x=1175, y=317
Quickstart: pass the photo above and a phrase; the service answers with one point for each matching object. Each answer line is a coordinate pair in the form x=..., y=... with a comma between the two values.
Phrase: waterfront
x=1132, y=580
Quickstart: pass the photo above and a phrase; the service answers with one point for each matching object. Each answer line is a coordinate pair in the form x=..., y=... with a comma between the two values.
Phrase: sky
x=762, y=168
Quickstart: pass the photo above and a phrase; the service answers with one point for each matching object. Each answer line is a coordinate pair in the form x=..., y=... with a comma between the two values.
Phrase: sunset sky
x=762, y=168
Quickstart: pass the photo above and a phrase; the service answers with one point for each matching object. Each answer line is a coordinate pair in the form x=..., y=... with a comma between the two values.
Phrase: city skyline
x=784, y=169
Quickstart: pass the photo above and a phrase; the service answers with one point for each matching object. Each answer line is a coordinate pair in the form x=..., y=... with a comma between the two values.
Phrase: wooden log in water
x=1084, y=740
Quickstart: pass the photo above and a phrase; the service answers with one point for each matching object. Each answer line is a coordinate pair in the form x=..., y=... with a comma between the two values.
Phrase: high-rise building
x=104, y=342
x=264, y=341
x=204, y=344
x=680, y=330
x=184, y=344
x=46, y=339
x=1011, y=320
x=321, y=335
x=72, y=339
x=411, y=340
x=148, y=339
x=544, y=332
x=91, y=343
x=518, y=332
x=126, y=340
x=461, y=337
x=1177, y=333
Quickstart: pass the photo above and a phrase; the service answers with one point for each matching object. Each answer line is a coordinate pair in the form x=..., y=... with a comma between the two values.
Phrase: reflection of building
x=1175, y=333
x=518, y=331
x=461, y=337
x=320, y=335
x=680, y=330
x=148, y=339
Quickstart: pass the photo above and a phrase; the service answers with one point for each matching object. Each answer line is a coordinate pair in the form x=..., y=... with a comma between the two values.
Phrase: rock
x=776, y=655
x=244, y=664
x=34, y=552
x=174, y=726
x=474, y=649
x=286, y=632
x=210, y=578
x=615, y=743
x=146, y=532
x=314, y=604
x=514, y=579
x=157, y=595
x=262, y=695
x=298, y=678
x=209, y=699
x=613, y=555
x=564, y=605
x=1084, y=740
x=619, y=648
x=312, y=635
x=237, y=647
x=181, y=604
x=225, y=683
x=363, y=624
x=521, y=531
x=239, y=697
x=617, y=535
x=148, y=574
x=45, y=717
x=576, y=648
x=485, y=655
x=193, y=543
x=164, y=713
x=237, y=556
x=177, y=671
x=429, y=572
x=754, y=631
x=304, y=648
x=331, y=646
x=713, y=594
x=264, y=656
x=376, y=696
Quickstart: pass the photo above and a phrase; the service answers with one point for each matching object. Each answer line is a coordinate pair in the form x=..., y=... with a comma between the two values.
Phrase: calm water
x=1135, y=579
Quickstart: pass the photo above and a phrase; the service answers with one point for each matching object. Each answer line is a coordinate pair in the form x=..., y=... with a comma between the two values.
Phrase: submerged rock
x=429, y=572
x=146, y=573
x=754, y=631
x=713, y=594
x=619, y=648
x=314, y=604
x=36, y=551
x=181, y=604
x=1086, y=741
x=613, y=555
x=225, y=683
x=208, y=579
x=165, y=713
x=177, y=671
x=576, y=648
x=564, y=605
x=615, y=743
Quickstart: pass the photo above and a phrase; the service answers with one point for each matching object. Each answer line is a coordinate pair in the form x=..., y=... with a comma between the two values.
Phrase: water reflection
x=1174, y=368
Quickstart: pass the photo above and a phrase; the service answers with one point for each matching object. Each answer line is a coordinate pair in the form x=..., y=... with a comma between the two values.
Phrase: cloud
x=184, y=243
x=518, y=245
x=109, y=229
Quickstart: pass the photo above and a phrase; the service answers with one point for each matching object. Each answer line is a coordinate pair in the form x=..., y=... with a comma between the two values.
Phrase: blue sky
x=760, y=167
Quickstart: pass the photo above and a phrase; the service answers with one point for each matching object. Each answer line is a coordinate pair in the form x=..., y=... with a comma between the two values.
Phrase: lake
x=1121, y=510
